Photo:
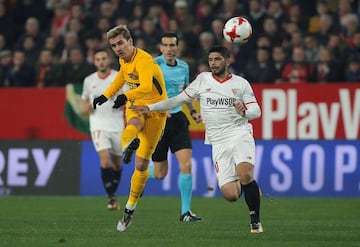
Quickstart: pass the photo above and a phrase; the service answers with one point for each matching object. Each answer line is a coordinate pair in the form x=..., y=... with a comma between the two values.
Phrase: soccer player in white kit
x=106, y=125
x=227, y=102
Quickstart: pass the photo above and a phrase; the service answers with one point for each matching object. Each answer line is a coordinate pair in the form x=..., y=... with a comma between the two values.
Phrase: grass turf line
x=85, y=221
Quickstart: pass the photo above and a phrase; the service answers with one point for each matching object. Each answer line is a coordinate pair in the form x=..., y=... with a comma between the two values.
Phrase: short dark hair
x=101, y=50
x=171, y=35
x=220, y=49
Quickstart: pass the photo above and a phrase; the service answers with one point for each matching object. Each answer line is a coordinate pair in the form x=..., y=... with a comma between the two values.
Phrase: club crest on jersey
x=235, y=91
x=132, y=76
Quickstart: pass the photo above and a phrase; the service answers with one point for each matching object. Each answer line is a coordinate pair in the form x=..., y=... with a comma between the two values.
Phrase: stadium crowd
x=52, y=42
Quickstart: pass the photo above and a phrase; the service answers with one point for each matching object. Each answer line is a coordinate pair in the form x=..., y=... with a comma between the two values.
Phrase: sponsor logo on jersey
x=235, y=91
x=221, y=101
x=132, y=76
x=132, y=85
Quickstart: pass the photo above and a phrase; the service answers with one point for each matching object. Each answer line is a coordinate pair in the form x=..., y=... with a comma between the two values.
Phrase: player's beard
x=221, y=71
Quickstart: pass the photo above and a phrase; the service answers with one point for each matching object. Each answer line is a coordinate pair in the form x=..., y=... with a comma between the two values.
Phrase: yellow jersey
x=143, y=77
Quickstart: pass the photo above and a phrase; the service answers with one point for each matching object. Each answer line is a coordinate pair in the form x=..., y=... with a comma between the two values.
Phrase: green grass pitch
x=84, y=221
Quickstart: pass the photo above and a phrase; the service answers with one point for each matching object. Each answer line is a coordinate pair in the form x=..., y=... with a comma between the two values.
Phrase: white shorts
x=226, y=156
x=103, y=139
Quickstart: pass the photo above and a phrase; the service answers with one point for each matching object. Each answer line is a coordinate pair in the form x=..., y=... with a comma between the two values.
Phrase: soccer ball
x=237, y=30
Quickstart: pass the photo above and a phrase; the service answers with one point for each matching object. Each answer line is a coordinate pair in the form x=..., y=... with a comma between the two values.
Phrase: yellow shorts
x=153, y=128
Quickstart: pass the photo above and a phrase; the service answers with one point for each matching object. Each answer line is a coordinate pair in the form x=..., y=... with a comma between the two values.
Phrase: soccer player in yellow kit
x=142, y=132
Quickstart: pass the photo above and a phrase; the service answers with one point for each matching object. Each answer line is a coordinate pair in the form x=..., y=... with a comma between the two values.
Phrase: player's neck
x=171, y=62
x=222, y=77
x=131, y=56
x=104, y=74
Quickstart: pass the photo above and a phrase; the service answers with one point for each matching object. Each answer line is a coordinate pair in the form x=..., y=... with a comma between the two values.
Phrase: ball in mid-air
x=237, y=30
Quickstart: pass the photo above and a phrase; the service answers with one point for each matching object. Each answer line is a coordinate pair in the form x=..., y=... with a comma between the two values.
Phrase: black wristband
x=193, y=111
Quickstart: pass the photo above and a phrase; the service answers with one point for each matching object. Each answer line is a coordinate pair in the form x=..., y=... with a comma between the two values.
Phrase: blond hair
x=119, y=30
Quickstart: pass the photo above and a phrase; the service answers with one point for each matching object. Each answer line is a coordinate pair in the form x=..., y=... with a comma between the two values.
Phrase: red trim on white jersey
x=106, y=75
x=229, y=76
x=188, y=95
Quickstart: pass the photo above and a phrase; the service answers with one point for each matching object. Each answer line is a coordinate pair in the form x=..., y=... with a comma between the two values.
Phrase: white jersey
x=216, y=104
x=105, y=117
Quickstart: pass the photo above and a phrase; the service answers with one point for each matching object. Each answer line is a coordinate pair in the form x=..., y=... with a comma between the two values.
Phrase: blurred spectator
x=352, y=71
x=31, y=28
x=138, y=13
x=276, y=11
x=5, y=65
x=60, y=20
x=102, y=26
x=30, y=49
x=206, y=42
x=92, y=43
x=150, y=34
x=354, y=48
x=312, y=48
x=314, y=21
x=52, y=45
x=350, y=27
x=77, y=11
x=343, y=12
x=337, y=47
x=75, y=25
x=296, y=40
x=261, y=69
x=295, y=15
x=272, y=30
x=192, y=40
x=327, y=70
x=22, y=10
x=20, y=73
x=8, y=29
x=230, y=8
x=298, y=70
x=217, y=27
x=326, y=28
x=76, y=68
x=2, y=42
x=44, y=67
x=256, y=16
x=279, y=60
x=182, y=15
x=158, y=15
x=70, y=41
x=206, y=15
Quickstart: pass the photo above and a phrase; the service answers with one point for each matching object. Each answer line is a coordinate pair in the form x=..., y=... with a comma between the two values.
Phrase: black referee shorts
x=176, y=137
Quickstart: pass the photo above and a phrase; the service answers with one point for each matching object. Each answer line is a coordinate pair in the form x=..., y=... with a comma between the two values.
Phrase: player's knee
x=245, y=178
x=105, y=163
x=185, y=168
x=230, y=195
x=160, y=174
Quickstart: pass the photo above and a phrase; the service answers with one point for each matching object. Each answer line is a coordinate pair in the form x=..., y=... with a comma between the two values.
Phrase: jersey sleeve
x=85, y=95
x=116, y=85
x=248, y=98
x=194, y=88
x=170, y=103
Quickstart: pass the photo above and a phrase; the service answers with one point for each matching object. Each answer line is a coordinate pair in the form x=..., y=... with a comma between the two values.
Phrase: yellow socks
x=138, y=181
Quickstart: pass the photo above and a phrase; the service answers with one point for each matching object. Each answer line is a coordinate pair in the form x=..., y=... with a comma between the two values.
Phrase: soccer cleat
x=128, y=151
x=113, y=204
x=256, y=228
x=125, y=222
x=190, y=216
